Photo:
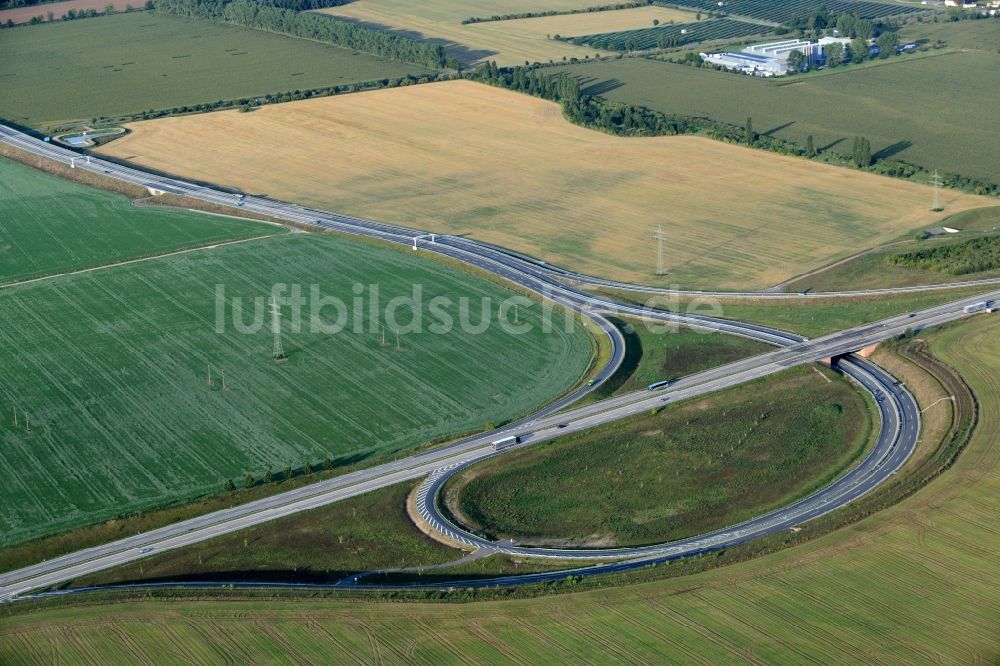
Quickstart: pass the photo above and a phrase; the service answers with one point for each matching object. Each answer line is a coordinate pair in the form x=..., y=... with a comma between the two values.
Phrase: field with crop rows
x=525, y=178
x=877, y=102
x=682, y=33
x=24, y=14
x=50, y=225
x=112, y=367
x=915, y=583
x=780, y=11
x=691, y=468
x=133, y=62
x=506, y=42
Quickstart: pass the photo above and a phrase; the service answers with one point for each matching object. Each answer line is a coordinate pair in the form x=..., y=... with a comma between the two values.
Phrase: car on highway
x=145, y=549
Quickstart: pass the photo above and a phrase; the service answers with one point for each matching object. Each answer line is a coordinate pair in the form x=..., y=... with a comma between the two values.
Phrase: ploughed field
x=697, y=466
x=110, y=372
x=522, y=177
x=135, y=62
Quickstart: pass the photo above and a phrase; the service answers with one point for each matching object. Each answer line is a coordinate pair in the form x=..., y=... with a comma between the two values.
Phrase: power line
x=660, y=237
x=936, y=182
x=279, y=350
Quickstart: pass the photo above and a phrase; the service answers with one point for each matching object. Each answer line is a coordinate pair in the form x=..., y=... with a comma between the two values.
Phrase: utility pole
x=659, y=249
x=936, y=182
x=279, y=351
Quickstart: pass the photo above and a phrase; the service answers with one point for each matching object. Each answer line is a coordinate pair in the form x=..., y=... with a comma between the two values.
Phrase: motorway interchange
x=898, y=412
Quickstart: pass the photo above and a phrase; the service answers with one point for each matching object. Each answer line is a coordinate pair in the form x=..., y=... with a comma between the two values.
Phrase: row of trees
x=632, y=120
x=972, y=256
x=270, y=477
x=265, y=15
x=558, y=12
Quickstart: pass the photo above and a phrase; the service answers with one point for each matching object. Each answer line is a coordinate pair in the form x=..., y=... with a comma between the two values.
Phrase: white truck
x=506, y=443
x=981, y=306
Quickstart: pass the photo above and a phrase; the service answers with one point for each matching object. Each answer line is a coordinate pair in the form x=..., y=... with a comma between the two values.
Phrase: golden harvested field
x=461, y=157
x=507, y=42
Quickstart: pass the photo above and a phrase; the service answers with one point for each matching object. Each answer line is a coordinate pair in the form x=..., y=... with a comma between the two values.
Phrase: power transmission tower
x=279, y=351
x=660, y=237
x=936, y=182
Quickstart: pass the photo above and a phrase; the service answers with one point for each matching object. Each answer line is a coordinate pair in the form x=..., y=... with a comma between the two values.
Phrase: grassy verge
x=368, y=532
x=810, y=317
x=690, y=468
x=656, y=352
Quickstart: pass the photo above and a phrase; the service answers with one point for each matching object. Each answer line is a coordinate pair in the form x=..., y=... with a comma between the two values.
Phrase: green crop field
x=691, y=468
x=898, y=104
x=133, y=62
x=112, y=370
x=50, y=225
x=914, y=583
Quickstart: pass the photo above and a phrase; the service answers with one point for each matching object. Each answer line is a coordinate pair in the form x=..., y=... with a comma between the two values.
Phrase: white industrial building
x=771, y=59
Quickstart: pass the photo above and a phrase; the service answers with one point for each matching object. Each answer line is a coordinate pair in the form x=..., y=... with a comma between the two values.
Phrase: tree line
x=558, y=12
x=631, y=120
x=267, y=15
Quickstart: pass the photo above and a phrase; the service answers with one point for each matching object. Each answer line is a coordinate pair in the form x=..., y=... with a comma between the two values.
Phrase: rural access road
x=537, y=428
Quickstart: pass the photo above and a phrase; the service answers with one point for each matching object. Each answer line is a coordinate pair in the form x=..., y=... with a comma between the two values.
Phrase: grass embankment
x=882, y=589
x=324, y=545
x=880, y=269
x=112, y=368
x=525, y=178
x=130, y=63
x=881, y=96
x=690, y=468
x=51, y=226
x=656, y=352
x=810, y=317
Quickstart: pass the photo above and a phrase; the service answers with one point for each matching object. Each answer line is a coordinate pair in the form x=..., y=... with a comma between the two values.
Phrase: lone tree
x=887, y=42
x=834, y=54
x=862, y=153
x=797, y=61
x=749, y=136
x=810, y=147
x=249, y=481
x=268, y=476
x=229, y=486
x=288, y=472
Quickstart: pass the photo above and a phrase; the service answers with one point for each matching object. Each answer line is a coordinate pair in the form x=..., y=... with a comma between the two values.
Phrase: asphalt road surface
x=897, y=436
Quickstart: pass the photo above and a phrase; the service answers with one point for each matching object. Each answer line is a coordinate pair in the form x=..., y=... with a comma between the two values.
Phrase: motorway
x=897, y=436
